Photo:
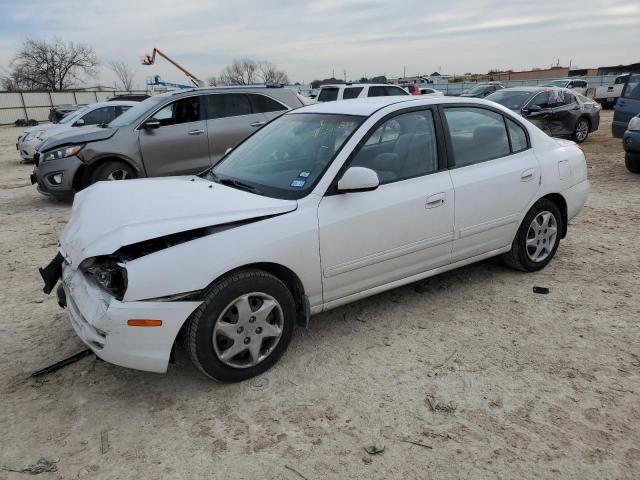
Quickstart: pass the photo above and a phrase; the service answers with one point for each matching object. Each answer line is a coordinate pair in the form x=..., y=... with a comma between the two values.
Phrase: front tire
x=537, y=239
x=112, y=170
x=243, y=326
x=581, y=130
x=632, y=164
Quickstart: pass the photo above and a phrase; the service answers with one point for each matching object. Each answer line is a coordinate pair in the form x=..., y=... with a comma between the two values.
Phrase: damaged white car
x=325, y=205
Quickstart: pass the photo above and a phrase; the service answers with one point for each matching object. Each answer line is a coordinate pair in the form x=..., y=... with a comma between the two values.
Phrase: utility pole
x=404, y=75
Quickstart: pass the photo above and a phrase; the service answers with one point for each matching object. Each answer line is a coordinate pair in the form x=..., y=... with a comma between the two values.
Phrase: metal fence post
x=24, y=107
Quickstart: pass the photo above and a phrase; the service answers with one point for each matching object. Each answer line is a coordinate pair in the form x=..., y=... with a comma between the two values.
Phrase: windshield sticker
x=298, y=183
x=304, y=174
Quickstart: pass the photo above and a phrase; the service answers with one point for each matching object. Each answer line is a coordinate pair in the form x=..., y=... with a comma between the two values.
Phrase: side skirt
x=414, y=278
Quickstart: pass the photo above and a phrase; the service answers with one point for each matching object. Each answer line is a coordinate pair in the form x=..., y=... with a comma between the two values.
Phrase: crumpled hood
x=110, y=215
x=77, y=135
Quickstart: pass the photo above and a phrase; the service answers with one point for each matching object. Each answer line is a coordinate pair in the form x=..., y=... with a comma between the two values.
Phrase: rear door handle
x=257, y=124
x=527, y=175
x=196, y=132
x=435, y=200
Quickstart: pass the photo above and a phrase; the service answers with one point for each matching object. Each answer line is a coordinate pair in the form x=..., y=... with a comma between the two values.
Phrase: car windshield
x=74, y=115
x=559, y=83
x=287, y=157
x=512, y=99
x=131, y=115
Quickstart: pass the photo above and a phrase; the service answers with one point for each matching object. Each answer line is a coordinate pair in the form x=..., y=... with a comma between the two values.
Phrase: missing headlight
x=108, y=273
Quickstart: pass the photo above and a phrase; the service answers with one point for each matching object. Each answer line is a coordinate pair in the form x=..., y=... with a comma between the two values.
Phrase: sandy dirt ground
x=487, y=378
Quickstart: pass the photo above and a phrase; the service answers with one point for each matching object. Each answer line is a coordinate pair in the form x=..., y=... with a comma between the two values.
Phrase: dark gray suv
x=175, y=133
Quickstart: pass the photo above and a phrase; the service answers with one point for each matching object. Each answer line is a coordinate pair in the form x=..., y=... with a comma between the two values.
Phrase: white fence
x=36, y=105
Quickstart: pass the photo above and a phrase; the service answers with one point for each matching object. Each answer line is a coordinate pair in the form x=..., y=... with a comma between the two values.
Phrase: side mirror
x=78, y=123
x=151, y=124
x=358, y=179
x=532, y=109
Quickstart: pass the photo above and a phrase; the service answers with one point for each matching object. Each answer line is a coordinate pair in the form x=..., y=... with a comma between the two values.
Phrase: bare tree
x=212, y=81
x=270, y=73
x=249, y=72
x=240, y=72
x=54, y=65
x=124, y=73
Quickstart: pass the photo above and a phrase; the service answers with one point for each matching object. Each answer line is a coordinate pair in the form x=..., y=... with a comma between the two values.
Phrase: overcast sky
x=311, y=39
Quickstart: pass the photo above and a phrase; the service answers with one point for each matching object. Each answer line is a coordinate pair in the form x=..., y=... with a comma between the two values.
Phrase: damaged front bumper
x=101, y=322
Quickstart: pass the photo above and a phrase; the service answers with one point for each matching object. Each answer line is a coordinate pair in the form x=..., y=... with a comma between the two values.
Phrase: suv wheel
x=243, y=326
x=113, y=170
x=537, y=239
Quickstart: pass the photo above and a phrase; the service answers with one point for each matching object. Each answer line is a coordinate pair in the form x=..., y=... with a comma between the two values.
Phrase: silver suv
x=175, y=133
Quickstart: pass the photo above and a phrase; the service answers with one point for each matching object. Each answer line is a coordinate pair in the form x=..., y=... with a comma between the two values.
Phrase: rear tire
x=537, y=239
x=581, y=130
x=243, y=326
x=632, y=164
x=112, y=170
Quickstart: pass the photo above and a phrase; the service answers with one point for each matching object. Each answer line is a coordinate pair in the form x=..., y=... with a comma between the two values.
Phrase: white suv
x=346, y=91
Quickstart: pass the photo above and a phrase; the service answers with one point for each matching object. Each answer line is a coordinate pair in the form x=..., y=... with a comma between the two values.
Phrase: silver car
x=175, y=133
x=96, y=113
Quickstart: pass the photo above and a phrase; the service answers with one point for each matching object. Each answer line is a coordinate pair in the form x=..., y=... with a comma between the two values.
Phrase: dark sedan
x=557, y=111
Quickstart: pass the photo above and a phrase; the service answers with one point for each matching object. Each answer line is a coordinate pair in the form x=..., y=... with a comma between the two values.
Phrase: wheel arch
x=282, y=273
x=561, y=203
x=83, y=174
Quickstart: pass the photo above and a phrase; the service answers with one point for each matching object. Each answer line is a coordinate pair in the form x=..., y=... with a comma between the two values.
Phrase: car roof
x=113, y=103
x=228, y=89
x=540, y=88
x=338, y=85
x=368, y=106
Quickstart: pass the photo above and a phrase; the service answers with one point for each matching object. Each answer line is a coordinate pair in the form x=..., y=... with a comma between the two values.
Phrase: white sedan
x=323, y=206
x=94, y=114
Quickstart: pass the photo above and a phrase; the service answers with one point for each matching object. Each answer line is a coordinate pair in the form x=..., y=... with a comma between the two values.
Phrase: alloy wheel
x=541, y=236
x=118, y=174
x=248, y=330
x=582, y=130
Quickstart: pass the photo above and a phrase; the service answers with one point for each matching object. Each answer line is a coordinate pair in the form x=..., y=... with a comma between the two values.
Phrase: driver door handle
x=196, y=132
x=257, y=124
x=435, y=200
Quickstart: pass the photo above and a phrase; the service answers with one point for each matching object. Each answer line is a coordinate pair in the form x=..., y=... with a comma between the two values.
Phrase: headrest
x=488, y=133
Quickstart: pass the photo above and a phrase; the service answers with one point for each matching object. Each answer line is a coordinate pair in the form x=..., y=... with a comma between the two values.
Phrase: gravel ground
x=489, y=379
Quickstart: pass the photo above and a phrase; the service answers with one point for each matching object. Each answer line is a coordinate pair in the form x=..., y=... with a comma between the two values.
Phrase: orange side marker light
x=140, y=322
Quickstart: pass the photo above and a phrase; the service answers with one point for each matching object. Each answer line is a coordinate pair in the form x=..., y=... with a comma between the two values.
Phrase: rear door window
x=351, y=92
x=328, y=94
x=224, y=105
x=264, y=104
x=476, y=135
